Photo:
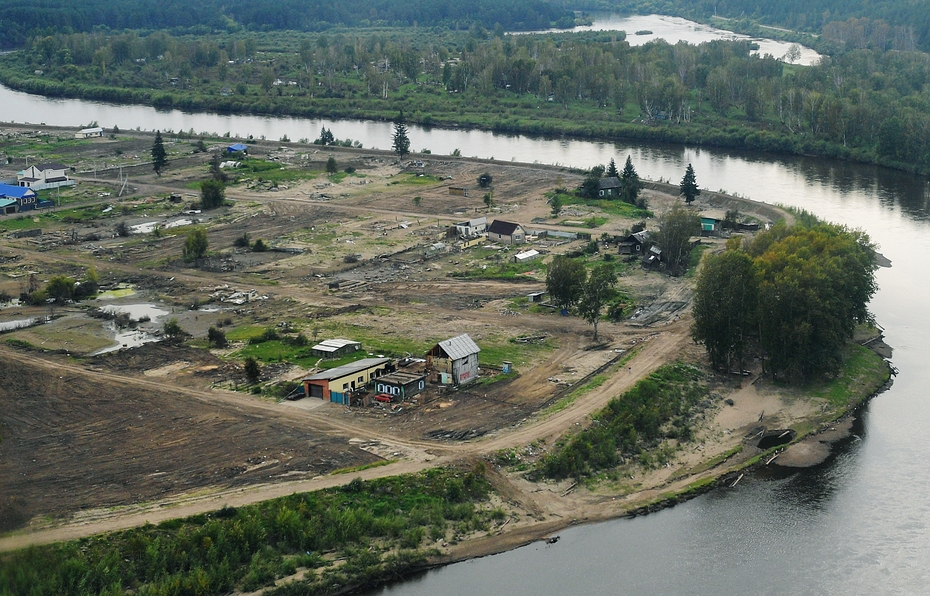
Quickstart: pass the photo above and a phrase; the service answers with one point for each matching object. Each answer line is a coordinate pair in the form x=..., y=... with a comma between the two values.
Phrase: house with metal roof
x=453, y=361
x=635, y=243
x=335, y=348
x=87, y=133
x=338, y=384
x=8, y=206
x=44, y=175
x=506, y=232
x=24, y=197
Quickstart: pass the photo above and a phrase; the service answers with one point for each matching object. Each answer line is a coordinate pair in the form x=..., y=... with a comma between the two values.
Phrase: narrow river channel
x=858, y=524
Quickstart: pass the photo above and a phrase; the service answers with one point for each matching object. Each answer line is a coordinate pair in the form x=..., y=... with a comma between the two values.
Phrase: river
x=858, y=524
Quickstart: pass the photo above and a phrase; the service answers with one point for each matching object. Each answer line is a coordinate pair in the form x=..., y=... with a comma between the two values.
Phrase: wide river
x=859, y=524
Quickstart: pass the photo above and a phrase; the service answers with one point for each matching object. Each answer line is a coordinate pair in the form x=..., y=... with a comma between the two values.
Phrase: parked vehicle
x=383, y=397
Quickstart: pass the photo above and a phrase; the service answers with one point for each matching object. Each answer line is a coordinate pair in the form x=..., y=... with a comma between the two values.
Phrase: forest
x=21, y=19
x=844, y=22
x=865, y=104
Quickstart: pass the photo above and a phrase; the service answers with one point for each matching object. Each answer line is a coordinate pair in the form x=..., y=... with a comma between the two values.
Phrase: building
x=237, y=147
x=24, y=197
x=89, y=133
x=8, y=206
x=401, y=384
x=710, y=226
x=506, y=232
x=528, y=255
x=338, y=384
x=634, y=244
x=472, y=228
x=608, y=188
x=453, y=361
x=46, y=175
x=335, y=348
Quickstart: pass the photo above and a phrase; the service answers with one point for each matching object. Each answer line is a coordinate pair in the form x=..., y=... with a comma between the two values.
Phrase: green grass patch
x=416, y=179
x=589, y=222
x=862, y=374
x=657, y=408
x=617, y=207
x=359, y=534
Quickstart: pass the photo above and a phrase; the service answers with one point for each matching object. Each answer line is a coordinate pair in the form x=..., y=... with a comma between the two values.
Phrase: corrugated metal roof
x=331, y=345
x=459, y=347
x=347, y=369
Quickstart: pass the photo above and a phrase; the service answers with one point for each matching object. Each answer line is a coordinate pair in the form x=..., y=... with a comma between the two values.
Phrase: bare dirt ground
x=99, y=443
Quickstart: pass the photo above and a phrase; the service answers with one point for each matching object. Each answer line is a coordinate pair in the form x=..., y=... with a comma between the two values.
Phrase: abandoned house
x=338, y=384
x=453, y=361
x=506, y=232
x=472, y=227
x=401, y=384
x=635, y=244
x=335, y=348
x=608, y=188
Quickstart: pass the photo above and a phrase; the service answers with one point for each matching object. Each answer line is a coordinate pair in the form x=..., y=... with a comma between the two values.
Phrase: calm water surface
x=856, y=525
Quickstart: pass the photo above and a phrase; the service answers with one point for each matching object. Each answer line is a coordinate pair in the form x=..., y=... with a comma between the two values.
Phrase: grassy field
x=322, y=542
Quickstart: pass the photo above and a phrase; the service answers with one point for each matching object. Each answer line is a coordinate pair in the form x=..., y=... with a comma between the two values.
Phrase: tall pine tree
x=688, y=187
x=401, y=143
x=630, y=183
x=159, y=156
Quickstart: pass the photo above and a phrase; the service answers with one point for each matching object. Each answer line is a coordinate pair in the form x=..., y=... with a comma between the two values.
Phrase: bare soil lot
x=148, y=424
x=78, y=441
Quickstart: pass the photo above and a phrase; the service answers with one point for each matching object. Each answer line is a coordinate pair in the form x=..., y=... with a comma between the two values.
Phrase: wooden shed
x=453, y=361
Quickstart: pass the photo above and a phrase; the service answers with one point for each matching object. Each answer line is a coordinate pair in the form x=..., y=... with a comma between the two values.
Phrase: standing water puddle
x=132, y=338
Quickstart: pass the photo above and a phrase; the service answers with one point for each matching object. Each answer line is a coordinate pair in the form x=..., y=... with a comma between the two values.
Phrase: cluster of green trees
x=864, y=104
x=657, y=408
x=61, y=289
x=20, y=18
x=792, y=294
x=378, y=527
x=571, y=285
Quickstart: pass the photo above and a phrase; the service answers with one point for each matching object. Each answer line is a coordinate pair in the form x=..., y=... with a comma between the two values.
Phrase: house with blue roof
x=24, y=198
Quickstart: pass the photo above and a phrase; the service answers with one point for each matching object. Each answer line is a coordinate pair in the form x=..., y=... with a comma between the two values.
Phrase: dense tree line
x=793, y=295
x=864, y=104
x=21, y=18
x=898, y=24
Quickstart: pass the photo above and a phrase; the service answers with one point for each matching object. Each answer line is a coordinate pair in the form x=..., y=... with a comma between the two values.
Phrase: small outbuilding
x=8, y=206
x=338, y=384
x=335, y=348
x=453, y=361
x=527, y=255
x=506, y=232
x=89, y=133
x=401, y=384
x=710, y=226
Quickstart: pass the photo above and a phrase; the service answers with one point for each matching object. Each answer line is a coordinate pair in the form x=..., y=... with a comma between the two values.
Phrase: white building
x=45, y=175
